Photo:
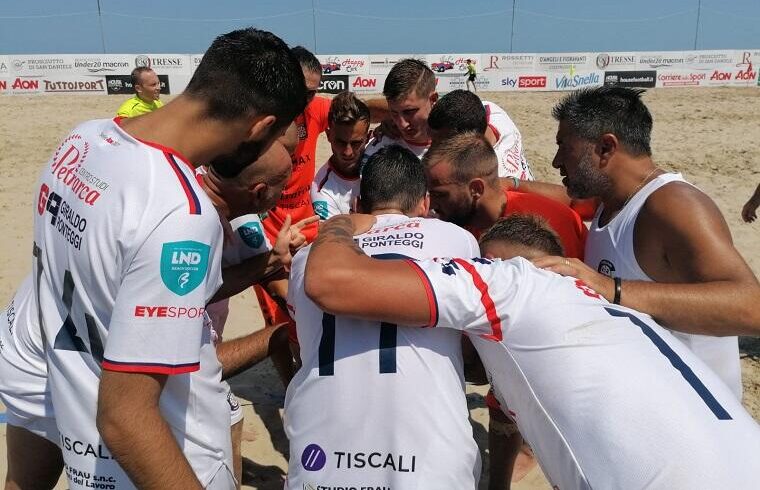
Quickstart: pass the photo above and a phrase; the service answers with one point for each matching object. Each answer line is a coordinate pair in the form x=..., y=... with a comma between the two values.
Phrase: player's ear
x=423, y=207
x=257, y=193
x=261, y=127
x=606, y=148
x=476, y=187
x=434, y=97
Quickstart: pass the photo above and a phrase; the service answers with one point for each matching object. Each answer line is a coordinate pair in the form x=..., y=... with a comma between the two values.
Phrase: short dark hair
x=458, y=111
x=470, y=156
x=393, y=176
x=249, y=72
x=307, y=59
x=407, y=76
x=592, y=112
x=347, y=108
x=137, y=73
x=528, y=230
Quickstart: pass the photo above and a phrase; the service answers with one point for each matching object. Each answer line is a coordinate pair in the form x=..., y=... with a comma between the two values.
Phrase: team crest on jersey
x=252, y=234
x=320, y=207
x=184, y=265
x=606, y=267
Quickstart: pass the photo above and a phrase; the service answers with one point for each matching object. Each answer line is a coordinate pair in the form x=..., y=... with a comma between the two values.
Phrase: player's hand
x=749, y=211
x=298, y=239
x=385, y=128
x=280, y=255
x=600, y=283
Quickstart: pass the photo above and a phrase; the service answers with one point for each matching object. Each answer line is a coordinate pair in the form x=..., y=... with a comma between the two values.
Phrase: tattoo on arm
x=337, y=230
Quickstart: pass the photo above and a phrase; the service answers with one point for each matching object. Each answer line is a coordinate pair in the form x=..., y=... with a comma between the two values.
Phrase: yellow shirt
x=135, y=106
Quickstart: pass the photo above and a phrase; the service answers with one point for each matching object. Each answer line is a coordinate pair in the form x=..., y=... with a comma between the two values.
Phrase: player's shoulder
x=678, y=204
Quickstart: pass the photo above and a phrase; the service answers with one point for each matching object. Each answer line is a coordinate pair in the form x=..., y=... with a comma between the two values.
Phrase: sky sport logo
x=313, y=458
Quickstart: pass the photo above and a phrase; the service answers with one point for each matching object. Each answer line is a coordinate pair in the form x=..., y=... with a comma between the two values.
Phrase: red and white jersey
x=508, y=147
x=333, y=193
x=127, y=254
x=605, y=396
x=373, y=146
x=380, y=406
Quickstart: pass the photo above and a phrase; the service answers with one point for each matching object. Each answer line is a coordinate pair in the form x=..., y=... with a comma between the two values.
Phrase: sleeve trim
x=429, y=291
x=486, y=300
x=150, y=367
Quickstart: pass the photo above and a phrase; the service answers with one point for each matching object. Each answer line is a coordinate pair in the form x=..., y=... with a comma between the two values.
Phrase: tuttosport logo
x=162, y=311
x=68, y=86
x=531, y=82
x=575, y=81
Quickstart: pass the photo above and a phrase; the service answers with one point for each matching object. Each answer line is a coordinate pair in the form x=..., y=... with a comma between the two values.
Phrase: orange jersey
x=563, y=220
x=296, y=196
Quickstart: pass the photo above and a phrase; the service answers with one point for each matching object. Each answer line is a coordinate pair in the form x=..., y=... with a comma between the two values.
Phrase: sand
x=710, y=135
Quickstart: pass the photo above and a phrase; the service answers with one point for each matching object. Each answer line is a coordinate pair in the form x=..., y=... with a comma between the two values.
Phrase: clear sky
x=381, y=26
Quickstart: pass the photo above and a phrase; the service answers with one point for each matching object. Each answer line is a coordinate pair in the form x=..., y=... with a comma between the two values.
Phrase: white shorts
x=25, y=393
x=236, y=411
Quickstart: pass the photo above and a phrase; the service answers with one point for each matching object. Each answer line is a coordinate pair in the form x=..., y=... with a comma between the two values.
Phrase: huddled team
x=611, y=350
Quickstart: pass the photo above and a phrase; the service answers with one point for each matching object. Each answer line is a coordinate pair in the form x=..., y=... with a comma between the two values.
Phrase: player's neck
x=629, y=179
x=378, y=212
x=490, y=136
x=181, y=126
x=489, y=208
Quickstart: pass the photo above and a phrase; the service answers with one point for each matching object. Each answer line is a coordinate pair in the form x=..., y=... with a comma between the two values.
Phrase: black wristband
x=618, y=290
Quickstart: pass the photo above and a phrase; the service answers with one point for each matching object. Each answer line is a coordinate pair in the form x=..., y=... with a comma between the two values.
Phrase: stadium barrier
x=109, y=74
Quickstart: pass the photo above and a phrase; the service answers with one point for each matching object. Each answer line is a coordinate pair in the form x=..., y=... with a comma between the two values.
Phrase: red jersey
x=563, y=220
x=296, y=196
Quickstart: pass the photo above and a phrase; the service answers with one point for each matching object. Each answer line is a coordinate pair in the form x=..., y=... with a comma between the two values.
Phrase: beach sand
x=710, y=135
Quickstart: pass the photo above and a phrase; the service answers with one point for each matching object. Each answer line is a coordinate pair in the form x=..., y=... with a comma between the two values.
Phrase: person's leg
x=33, y=461
x=236, y=431
x=504, y=442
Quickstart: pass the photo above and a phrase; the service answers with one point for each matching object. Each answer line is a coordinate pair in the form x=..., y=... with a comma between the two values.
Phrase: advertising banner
x=641, y=78
x=86, y=64
x=122, y=84
x=484, y=82
x=381, y=64
x=4, y=66
x=164, y=63
x=369, y=84
x=73, y=84
x=576, y=79
x=344, y=64
x=616, y=61
x=562, y=61
x=507, y=62
x=333, y=84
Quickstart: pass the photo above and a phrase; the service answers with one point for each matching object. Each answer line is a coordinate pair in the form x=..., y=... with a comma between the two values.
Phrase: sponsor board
x=367, y=84
x=562, y=61
x=447, y=63
x=506, y=62
x=381, y=64
x=195, y=60
x=707, y=60
x=42, y=64
x=345, y=64
x=457, y=81
x=5, y=63
x=681, y=78
x=101, y=64
x=122, y=84
x=24, y=85
x=661, y=59
x=734, y=76
x=615, y=61
x=333, y=84
x=163, y=63
x=507, y=81
x=4, y=84
x=73, y=85
x=575, y=80
x=642, y=78
x=531, y=82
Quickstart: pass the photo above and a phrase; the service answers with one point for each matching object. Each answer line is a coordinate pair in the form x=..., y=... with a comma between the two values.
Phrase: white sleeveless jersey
x=606, y=397
x=333, y=194
x=508, y=147
x=23, y=371
x=380, y=407
x=610, y=250
x=127, y=254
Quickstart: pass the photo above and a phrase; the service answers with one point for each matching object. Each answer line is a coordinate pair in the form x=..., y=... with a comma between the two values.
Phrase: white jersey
x=610, y=250
x=127, y=254
x=508, y=147
x=373, y=146
x=332, y=193
x=380, y=407
x=23, y=371
x=606, y=397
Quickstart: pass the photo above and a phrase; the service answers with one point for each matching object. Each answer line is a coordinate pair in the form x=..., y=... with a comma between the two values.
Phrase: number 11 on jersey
x=386, y=347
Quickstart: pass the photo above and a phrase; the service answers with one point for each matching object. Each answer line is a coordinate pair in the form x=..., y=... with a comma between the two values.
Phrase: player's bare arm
x=130, y=422
x=341, y=280
x=255, y=269
x=749, y=210
x=703, y=285
x=239, y=354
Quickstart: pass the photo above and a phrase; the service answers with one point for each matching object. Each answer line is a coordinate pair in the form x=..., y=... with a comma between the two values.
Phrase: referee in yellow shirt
x=147, y=91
